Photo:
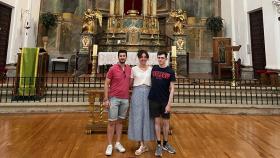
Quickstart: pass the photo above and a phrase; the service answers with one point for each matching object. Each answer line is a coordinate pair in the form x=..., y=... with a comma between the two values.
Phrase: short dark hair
x=162, y=53
x=122, y=51
x=140, y=52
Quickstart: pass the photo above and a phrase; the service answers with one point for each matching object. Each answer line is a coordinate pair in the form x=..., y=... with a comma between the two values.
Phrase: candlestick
x=173, y=50
x=94, y=52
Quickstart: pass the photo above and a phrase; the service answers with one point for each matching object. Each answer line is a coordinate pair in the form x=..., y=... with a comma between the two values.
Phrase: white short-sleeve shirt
x=140, y=76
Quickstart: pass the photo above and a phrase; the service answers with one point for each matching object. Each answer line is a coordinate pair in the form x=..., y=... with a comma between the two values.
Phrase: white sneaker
x=109, y=150
x=119, y=147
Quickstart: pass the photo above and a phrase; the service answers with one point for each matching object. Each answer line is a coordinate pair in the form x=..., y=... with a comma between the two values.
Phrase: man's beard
x=122, y=62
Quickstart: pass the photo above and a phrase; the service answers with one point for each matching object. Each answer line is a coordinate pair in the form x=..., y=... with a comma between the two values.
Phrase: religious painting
x=222, y=52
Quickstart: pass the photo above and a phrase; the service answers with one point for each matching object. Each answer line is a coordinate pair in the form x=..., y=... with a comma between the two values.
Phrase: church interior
x=55, y=54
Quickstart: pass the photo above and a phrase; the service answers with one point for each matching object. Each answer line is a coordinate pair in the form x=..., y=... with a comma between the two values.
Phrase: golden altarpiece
x=153, y=27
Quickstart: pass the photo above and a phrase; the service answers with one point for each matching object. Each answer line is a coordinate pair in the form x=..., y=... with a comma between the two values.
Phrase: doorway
x=257, y=41
x=5, y=21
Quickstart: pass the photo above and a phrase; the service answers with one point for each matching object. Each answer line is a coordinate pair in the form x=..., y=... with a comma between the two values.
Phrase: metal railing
x=210, y=91
x=204, y=91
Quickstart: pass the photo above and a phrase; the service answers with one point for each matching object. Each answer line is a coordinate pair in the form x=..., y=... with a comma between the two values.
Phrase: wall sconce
x=277, y=4
x=26, y=14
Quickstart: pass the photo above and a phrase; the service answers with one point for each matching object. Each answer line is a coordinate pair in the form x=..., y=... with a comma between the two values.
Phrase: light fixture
x=26, y=14
x=277, y=4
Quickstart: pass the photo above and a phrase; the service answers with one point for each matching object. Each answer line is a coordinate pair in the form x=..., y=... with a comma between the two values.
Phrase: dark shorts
x=157, y=109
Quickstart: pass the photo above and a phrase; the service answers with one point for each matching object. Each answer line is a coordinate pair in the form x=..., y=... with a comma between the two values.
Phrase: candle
x=173, y=49
x=94, y=52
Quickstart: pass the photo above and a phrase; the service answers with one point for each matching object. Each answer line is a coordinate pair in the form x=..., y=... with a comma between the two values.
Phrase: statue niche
x=133, y=5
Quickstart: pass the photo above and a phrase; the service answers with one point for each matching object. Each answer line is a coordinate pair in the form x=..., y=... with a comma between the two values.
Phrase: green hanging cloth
x=28, y=71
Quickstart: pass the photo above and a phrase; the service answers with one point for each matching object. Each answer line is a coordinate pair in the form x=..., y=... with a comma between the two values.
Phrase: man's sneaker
x=109, y=150
x=119, y=147
x=169, y=148
x=158, y=151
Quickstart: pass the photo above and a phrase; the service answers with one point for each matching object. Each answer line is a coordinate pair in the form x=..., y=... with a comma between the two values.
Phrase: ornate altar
x=130, y=32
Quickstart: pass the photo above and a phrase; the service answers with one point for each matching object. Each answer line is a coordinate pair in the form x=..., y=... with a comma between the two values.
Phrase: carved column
x=112, y=7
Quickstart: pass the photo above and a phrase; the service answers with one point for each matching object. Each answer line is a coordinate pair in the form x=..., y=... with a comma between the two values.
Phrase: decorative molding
x=277, y=4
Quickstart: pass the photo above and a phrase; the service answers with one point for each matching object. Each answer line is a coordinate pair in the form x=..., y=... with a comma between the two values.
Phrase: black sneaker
x=169, y=148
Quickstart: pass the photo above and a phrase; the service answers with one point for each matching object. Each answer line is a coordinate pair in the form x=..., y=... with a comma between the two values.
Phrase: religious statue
x=89, y=19
x=180, y=17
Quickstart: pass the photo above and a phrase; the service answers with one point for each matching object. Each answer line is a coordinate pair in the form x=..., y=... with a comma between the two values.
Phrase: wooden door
x=257, y=41
x=5, y=20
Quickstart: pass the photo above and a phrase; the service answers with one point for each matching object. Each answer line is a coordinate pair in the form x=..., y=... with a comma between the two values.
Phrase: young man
x=116, y=94
x=160, y=98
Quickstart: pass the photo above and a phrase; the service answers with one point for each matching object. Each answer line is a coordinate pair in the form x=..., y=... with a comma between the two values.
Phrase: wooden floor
x=195, y=136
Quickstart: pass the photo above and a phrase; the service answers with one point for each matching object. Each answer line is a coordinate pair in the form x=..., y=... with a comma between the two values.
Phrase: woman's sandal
x=141, y=150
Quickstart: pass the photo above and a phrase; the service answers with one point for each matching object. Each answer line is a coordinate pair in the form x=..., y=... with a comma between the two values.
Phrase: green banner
x=28, y=71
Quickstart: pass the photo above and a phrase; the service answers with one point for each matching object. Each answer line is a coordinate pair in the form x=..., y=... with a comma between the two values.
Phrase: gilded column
x=117, y=7
x=154, y=7
x=144, y=8
x=112, y=7
x=121, y=7
x=149, y=7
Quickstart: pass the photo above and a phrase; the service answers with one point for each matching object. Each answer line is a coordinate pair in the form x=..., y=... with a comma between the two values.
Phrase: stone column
x=112, y=7
x=59, y=32
x=121, y=7
x=154, y=7
x=217, y=7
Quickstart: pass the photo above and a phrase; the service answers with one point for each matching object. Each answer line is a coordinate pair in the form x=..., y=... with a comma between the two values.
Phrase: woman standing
x=141, y=127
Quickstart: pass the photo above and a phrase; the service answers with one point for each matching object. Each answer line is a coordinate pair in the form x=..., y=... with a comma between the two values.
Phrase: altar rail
x=208, y=91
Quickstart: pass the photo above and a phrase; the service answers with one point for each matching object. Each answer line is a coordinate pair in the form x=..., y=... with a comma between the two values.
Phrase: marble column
x=121, y=7
x=112, y=7
x=154, y=7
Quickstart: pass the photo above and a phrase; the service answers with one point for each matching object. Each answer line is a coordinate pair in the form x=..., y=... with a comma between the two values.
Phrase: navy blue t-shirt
x=161, y=78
